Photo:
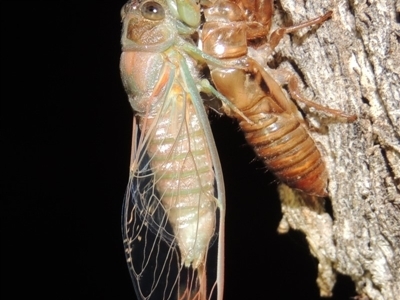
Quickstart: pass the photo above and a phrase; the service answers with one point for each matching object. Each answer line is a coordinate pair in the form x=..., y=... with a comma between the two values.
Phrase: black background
x=65, y=136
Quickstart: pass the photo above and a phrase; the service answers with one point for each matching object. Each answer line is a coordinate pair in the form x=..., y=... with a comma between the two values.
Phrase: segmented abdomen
x=184, y=179
x=287, y=149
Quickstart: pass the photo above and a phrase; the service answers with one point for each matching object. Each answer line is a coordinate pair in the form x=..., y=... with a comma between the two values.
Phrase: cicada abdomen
x=286, y=147
x=173, y=214
x=277, y=131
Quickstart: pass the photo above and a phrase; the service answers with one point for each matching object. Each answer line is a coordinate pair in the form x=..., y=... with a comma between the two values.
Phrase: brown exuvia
x=236, y=32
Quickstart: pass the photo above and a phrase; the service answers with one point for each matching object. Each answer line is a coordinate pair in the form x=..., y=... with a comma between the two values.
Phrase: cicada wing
x=153, y=255
x=150, y=249
x=210, y=277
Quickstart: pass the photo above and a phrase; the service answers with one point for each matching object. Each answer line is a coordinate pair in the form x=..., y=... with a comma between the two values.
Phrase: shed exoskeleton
x=238, y=31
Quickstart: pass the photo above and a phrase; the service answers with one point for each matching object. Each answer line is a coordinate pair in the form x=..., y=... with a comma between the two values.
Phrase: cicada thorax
x=277, y=131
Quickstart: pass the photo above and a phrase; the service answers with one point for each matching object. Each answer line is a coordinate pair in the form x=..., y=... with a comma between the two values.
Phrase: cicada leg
x=278, y=34
x=207, y=88
x=274, y=79
x=286, y=77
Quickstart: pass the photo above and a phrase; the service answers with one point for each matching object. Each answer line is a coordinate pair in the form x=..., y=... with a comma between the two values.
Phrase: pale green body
x=176, y=152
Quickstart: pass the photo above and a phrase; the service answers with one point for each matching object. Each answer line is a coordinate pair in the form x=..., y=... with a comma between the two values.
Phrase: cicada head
x=147, y=26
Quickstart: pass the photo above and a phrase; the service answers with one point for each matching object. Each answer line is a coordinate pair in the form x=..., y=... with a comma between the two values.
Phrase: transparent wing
x=151, y=252
x=157, y=258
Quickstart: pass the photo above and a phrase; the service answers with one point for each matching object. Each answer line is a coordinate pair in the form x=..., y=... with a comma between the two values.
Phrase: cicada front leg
x=277, y=35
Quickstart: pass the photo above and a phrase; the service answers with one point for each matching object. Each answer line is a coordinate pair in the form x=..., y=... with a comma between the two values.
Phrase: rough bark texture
x=351, y=63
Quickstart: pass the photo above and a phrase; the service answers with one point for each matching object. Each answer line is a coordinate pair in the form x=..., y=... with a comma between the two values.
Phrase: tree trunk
x=352, y=63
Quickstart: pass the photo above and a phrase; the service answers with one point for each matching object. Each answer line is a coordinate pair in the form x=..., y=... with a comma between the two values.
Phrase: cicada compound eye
x=153, y=11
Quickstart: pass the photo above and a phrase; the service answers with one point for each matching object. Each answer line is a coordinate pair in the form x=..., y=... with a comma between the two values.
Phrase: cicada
x=238, y=32
x=174, y=208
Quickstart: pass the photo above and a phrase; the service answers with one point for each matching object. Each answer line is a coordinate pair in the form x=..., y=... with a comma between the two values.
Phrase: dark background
x=65, y=136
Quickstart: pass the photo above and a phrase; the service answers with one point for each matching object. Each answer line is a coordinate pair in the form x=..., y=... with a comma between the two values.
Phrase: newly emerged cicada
x=237, y=32
x=174, y=209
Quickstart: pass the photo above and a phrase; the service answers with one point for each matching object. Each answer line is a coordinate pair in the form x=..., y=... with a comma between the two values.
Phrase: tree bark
x=352, y=63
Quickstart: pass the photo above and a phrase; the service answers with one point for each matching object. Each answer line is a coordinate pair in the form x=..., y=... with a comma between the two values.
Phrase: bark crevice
x=352, y=63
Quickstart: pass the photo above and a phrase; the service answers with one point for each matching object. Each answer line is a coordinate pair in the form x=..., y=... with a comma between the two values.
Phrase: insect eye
x=153, y=11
